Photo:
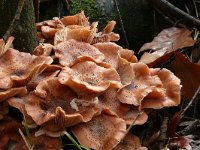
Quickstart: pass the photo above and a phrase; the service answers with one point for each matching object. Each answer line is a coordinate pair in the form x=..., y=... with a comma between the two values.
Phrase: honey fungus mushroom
x=49, y=106
x=150, y=88
x=110, y=104
x=87, y=78
x=18, y=68
x=71, y=52
x=101, y=133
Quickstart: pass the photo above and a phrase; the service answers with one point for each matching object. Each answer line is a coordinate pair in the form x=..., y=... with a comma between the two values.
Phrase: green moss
x=89, y=6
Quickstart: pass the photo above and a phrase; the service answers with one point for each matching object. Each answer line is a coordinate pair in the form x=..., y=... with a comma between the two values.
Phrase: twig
x=15, y=20
x=121, y=23
x=191, y=101
x=173, y=12
x=195, y=8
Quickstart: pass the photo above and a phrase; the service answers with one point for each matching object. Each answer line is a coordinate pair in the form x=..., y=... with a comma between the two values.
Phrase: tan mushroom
x=48, y=32
x=81, y=34
x=111, y=105
x=5, y=45
x=44, y=49
x=110, y=51
x=71, y=52
x=130, y=142
x=101, y=133
x=19, y=103
x=87, y=78
x=172, y=90
x=18, y=68
x=50, y=106
x=142, y=84
x=78, y=19
x=5, y=94
x=128, y=55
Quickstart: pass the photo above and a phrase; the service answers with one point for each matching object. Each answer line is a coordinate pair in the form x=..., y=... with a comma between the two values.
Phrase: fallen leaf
x=166, y=42
x=189, y=74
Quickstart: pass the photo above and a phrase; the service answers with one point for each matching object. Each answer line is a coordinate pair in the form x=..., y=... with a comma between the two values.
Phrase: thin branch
x=191, y=101
x=195, y=8
x=121, y=23
x=173, y=12
x=15, y=20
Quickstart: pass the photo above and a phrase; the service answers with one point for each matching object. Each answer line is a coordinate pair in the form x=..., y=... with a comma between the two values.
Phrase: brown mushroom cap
x=101, y=133
x=71, y=51
x=141, y=85
x=43, y=49
x=50, y=106
x=18, y=68
x=48, y=32
x=172, y=89
x=81, y=34
x=109, y=27
x=130, y=142
x=111, y=105
x=110, y=51
x=78, y=19
x=128, y=55
x=19, y=103
x=5, y=94
x=5, y=45
x=125, y=71
x=86, y=78
x=49, y=72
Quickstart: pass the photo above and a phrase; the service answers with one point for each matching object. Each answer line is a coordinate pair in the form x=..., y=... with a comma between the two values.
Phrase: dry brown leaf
x=165, y=43
x=170, y=39
x=189, y=73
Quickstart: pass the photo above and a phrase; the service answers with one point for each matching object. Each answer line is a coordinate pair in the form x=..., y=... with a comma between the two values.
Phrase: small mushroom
x=78, y=19
x=50, y=106
x=71, y=52
x=19, y=103
x=111, y=105
x=5, y=45
x=5, y=94
x=81, y=34
x=18, y=68
x=172, y=90
x=101, y=133
x=130, y=142
x=87, y=78
x=141, y=85
x=49, y=32
x=44, y=49
x=110, y=51
x=128, y=55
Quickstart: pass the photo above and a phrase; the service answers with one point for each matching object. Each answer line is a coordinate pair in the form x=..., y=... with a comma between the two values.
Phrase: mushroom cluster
x=80, y=80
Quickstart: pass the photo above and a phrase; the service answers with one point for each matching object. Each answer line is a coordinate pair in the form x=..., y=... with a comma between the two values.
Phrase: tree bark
x=24, y=30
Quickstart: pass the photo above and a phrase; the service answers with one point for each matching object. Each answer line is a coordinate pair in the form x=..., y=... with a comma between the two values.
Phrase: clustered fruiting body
x=85, y=83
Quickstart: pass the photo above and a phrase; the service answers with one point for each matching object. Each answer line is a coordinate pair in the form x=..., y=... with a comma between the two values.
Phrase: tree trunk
x=25, y=30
